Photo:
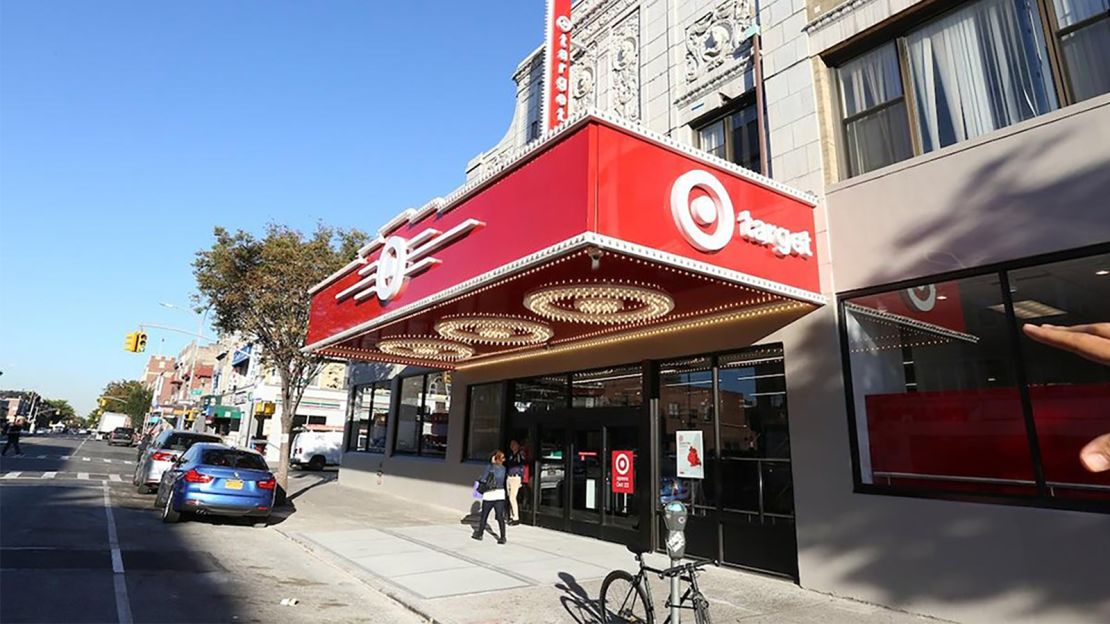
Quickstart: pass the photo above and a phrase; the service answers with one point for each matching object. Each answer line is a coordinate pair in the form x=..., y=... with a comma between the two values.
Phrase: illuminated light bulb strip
x=914, y=323
x=599, y=303
x=494, y=330
x=375, y=356
x=635, y=335
x=421, y=347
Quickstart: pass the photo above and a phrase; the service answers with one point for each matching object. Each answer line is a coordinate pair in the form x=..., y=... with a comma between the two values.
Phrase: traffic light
x=131, y=342
x=140, y=342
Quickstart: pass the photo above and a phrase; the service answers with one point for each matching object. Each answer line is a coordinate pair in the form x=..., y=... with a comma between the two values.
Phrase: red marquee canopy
x=599, y=229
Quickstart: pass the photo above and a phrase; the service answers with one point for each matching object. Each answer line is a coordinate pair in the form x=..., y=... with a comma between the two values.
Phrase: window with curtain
x=978, y=68
x=874, y=108
x=1083, y=32
x=733, y=137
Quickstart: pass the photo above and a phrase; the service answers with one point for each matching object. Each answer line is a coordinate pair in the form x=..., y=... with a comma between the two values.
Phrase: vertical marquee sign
x=556, y=106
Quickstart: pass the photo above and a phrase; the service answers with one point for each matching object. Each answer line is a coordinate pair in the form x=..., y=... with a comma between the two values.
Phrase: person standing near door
x=515, y=466
x=492, y=487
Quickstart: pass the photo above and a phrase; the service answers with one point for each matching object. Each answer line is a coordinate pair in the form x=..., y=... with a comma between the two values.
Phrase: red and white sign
x=691, y=455
x=556, y=107
x=598, y=189
x=624, y=473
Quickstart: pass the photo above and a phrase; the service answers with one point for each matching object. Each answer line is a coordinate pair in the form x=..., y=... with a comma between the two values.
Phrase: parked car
x=215, y=479
x=160, y=454
x=121, y=436
x=316, y=449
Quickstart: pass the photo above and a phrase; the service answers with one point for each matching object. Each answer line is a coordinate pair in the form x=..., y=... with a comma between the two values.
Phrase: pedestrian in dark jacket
x=492, y=487
x=13, y=437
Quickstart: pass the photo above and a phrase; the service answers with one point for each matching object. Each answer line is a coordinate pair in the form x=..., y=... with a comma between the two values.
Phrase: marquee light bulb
x=494, y=330
x=601, y=303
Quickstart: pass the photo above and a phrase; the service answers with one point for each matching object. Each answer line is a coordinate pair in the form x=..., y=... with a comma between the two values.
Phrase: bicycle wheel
x=701, y=608
x=623, y=600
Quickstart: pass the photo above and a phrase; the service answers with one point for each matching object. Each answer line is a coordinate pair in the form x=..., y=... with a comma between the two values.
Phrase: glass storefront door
x=580, y=487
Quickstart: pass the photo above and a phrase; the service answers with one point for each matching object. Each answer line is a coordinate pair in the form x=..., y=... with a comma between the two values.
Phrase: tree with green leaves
x=57, y=410
x=258, y=288
x=125, y=396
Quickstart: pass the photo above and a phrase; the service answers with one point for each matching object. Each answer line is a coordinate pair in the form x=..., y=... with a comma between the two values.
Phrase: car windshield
x=122, y=431
x=182, y=441
x=233, y=459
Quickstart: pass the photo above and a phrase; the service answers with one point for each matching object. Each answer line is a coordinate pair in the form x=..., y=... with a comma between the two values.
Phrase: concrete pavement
x=423, y=557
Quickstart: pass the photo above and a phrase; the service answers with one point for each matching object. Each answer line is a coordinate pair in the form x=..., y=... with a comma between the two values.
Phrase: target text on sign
x=623, y=481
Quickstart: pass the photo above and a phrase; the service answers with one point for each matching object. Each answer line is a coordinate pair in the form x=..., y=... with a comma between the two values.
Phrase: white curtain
x=870, y=80
x=978, y=69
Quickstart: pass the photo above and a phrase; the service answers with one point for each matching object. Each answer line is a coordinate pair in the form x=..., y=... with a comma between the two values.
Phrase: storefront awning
x=597, y=230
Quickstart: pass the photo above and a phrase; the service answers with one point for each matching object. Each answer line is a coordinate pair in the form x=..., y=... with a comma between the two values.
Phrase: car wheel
x=169, y=515
x=317, y=462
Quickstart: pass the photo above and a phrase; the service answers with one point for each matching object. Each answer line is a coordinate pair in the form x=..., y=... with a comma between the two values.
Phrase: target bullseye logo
x=922, y=298
x=392, y=267
x=623, y=481
x=711, y=210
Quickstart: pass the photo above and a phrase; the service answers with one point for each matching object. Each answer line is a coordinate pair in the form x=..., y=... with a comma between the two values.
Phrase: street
x=78, y=544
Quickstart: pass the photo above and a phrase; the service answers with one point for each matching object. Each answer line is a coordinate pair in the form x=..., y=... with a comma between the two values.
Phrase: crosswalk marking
x=64, y=457
x=106, y=460
x=49, y=475
x=12, y=475
x=84, y=476
x=85, y=459
x=128, y=462
x=114, y=477
x=41, y=457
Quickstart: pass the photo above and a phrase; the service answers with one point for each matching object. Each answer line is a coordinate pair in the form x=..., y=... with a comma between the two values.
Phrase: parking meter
x=674, y=515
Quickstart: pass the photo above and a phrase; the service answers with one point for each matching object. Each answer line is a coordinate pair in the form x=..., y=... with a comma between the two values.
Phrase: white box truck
x=109, y=421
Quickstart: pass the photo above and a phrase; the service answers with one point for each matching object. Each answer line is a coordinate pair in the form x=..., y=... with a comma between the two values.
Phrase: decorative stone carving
x=715, y=38
x=583, y=78
x=624, y=61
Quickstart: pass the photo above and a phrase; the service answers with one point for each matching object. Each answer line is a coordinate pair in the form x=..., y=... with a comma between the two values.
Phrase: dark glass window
x=366, y=428
x=733, y=137
x=1070, y=395
x=540, y=394
x=422, y=415
x=611, y=387
x=959, y=423
x=962, y=421
x=483, y=435
x=686, y=404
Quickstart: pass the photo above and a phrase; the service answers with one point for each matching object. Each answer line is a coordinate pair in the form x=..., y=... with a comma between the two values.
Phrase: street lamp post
x=201, y=318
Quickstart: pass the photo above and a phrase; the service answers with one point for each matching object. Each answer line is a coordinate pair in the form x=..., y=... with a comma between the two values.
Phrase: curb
x=339, y=565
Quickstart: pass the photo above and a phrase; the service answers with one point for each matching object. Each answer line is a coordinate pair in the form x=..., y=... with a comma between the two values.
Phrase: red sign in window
x=623, y=473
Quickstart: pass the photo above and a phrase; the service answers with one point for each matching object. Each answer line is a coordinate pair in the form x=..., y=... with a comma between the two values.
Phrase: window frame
x=502, y=418
x=395, y=415
x=897, y=31
x=726, y=115
x=352, y=445
x=1002, y=270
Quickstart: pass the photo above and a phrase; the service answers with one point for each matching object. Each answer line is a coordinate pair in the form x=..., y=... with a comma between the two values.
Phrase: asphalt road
x=79, y=544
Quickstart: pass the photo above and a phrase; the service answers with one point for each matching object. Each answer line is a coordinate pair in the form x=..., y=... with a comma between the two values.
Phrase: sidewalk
x=423, y=557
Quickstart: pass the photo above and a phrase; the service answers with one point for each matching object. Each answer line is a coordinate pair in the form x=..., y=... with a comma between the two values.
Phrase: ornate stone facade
x=718, y=46
x=624, y=63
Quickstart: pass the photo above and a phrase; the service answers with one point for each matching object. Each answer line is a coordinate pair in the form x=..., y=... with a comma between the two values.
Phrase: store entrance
x=591, y=468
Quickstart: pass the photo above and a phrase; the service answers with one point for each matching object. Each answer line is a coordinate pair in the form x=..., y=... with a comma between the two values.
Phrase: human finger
x=1101, y=330
x=1096, y=455
x=1091, y=347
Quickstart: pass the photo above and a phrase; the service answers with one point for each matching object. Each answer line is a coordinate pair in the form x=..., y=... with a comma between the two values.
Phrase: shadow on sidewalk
x=577, y=602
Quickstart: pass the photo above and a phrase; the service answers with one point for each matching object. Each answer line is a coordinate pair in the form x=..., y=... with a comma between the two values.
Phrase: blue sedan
x=217, y=480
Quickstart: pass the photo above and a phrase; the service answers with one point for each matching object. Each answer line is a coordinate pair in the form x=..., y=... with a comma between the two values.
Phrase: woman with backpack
x=491, y=485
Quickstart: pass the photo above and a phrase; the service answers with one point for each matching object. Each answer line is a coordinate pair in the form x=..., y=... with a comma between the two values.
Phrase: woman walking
x=492, y=487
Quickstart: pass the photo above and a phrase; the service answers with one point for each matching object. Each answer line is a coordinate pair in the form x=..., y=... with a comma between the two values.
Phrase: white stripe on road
x=128, y=462
x=49, y=475
x=106, y=460
x=12, y=475
x=41, y=457
x=123, y=605
x=63, y=457
x=85, y=459
x=114, y=477
x=84, y=476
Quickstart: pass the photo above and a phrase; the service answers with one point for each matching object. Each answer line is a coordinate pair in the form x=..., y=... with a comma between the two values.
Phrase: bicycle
x=627, y=598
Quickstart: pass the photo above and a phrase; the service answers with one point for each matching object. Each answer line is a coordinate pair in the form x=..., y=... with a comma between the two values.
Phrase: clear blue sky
x=129, y=129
